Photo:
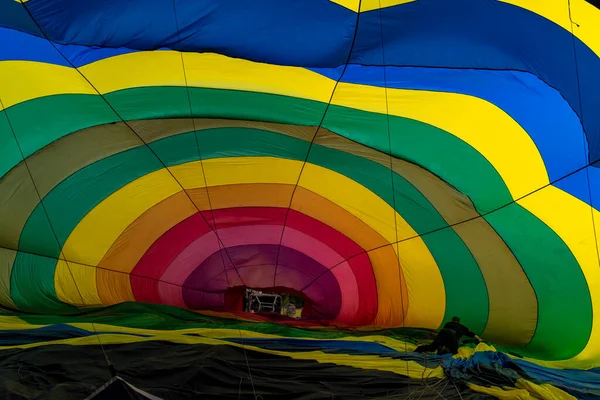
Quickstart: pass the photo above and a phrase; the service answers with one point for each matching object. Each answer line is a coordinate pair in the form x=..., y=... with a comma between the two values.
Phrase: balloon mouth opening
x=271, y=303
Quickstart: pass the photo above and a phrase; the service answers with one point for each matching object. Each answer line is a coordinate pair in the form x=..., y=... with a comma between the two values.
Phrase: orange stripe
x=139, y=236
x=130, y=246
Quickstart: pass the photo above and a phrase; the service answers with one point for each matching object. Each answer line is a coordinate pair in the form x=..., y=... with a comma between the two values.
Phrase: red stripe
x=161, y=254
x=154, y=263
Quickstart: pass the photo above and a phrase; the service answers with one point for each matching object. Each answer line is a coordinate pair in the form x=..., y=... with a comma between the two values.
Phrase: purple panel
x=256, y=265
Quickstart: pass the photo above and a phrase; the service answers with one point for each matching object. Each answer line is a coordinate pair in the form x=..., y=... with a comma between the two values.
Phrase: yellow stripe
x=369, y=5
x=93, y=236
x=418, y=264
x=95, y=233
x=465, y=117
x=503, y=135
x=25, y=80
x=585, y=16
x=163, y=68
x=571, y=219
x=401, y=367
x=190, y=175
x=69, y=290
x=238, y=170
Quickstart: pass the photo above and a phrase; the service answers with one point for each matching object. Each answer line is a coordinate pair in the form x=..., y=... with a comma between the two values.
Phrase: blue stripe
x=539, y=109
x=341, y=346
x=22, y=46
x=483, y=34
x=578, y=382
x=480, y=34
x=50, y=333
x=272, y=31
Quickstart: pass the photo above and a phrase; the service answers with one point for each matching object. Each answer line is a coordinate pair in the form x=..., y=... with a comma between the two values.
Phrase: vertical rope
x=210, y=204
x=387, y=115
x=55, y=235
x=589, y=164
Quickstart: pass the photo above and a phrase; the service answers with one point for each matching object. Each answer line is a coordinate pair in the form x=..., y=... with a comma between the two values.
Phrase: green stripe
x=169, y=318
x=565, y=308
x=169, y=102
x=32, y=285
x=439, y=152
x=73, y=198
x=9, y=151
x=458, y=268
x=432, y=148
x=41, y=121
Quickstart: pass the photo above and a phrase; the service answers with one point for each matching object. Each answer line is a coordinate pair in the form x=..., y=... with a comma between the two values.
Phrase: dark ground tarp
x=181, y=371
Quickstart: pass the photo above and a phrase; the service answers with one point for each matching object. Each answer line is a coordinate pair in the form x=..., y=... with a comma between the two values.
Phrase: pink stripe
x=199, y=250
x=326, y=256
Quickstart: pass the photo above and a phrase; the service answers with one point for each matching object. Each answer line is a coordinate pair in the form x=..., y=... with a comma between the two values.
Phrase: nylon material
x=152, y=130
x=32, y=285
x=300, y=196
x=76, y=196
x=425, y=287
x=446, y=247
x=56, y=117
x=137, y=238
x=523, y=96
x=10, y=155
x=152, y=68
x=243, y=142
x=369, y=5
x=7, y=259
x=177, y=150
x=18, y=199
x=94, y=234
x=555, y=276
x=331, y=140
x=367, y=287
x=163, y=68
x=72, y=279
x=452, y=205
x=391, y=288
x=212, y=70
x=449, y=252
x=189, y=175
x=324, y=210
x=575, y=225
x=169, y=246
x=24, y=80
x=293, y=239
x=38, y=235
x=171, y=295
x=452, y=160
x=461, y=178
x=71, y=153
x=113, y=287
x=584, y=15
x=226, y=171
x=200, y=199
x=544, y=391
x=133, y=243
x=511, y=297
x=250, y=234
x=464, y=117
x=364, y=204
x=251, y=195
